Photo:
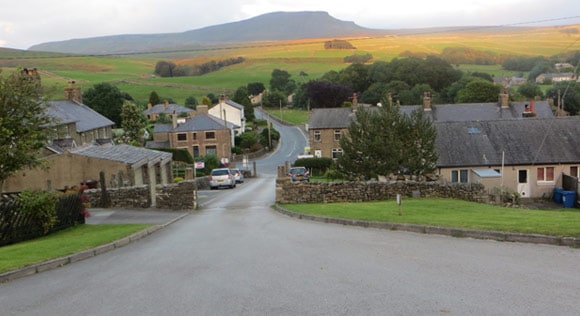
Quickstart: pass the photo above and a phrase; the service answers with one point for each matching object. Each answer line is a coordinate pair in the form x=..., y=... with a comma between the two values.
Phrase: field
x=133, y=73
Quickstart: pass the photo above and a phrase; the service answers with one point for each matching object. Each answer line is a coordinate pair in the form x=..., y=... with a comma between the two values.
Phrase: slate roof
x=201, y=122
x=167, y=109
x=341, y=117
x=531, y=141
x=84, y=117
x=232, y=104
x=133, y=156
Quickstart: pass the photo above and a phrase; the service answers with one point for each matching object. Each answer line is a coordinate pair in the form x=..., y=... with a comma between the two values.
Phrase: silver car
x=221, y=177
x=238, y=176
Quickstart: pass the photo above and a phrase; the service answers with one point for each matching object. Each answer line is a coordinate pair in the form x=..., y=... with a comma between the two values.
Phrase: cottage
x=231, y=112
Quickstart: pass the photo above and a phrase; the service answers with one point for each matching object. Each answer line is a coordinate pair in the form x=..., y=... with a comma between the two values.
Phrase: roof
x=341, y=117
x=330, y=118
x=133, y=156
x=232, y=104
x=84, y=117
x=200, y=122
x=167, y=109
x=533, y=141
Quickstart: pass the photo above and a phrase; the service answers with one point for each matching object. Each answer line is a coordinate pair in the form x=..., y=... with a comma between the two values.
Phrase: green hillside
x=133, y=73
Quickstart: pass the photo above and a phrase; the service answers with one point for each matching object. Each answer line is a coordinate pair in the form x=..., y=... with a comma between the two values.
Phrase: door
x=523, y=183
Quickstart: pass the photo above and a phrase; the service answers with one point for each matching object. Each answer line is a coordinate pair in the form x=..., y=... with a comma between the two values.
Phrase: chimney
x=202, y=109
x=390, y=99
x=165, y=104
x=174, y=120
x=149, y=106
x=427, y=101
x=530, y=110
x=354, y=102
x=504, y=99
x=73, y=92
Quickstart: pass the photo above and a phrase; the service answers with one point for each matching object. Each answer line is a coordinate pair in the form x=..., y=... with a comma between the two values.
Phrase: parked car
x=238, y=176
x=221, y=177
x=299, y=174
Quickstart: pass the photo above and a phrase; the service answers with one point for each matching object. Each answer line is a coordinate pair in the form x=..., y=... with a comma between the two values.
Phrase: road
x=237, y=256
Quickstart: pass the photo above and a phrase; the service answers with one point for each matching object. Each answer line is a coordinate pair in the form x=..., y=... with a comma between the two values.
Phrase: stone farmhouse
x=517, y=145
x=556, y=77
x=80, y=146
x=202, y=135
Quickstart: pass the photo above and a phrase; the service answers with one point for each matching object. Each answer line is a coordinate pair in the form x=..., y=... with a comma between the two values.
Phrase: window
x=181, y=136
x=210, y=150
x=337, y=134
x=316, y=136
x=194, y=136
x=336, y=152
x=546, y=174
x=195, y=151
x=209, y=135
x=459, y=176
x=574, y=171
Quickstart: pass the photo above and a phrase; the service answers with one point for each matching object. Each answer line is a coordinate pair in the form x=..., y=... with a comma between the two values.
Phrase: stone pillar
x=152, y=184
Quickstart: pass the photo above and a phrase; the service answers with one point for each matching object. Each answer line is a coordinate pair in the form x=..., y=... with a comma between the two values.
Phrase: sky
x=24, y=23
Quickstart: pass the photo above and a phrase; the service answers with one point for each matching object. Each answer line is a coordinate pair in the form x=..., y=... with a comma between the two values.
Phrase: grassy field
x=453, y=213
x=292, y=116
x=62, y=243
x=132, y=73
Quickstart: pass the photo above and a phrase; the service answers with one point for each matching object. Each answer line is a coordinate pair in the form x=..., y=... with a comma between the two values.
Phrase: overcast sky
x=24, y=23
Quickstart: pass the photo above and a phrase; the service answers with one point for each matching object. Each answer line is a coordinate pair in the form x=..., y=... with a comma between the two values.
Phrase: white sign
x=199, y=165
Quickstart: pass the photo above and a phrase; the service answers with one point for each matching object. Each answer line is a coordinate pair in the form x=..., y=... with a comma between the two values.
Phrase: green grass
x=292, y=116
x=453, y=213
x=62, y=243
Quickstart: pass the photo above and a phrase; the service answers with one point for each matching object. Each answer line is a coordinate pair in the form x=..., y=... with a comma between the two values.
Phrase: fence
x=15, y=226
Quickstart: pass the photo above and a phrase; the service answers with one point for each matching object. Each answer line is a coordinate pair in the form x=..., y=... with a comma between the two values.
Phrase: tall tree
x=106, y=99
x=242, y=96
x=255, y=88
x=280, y=81
x=569, y=95
x=154, y=98
x=381, y=141
x=133, y=122
x=22, y=120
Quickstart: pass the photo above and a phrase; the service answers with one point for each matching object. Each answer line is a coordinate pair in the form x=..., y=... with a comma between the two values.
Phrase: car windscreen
x=219, y=172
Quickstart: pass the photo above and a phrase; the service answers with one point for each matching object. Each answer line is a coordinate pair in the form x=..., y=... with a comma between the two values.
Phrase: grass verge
x=62, y=243
x=453, y=213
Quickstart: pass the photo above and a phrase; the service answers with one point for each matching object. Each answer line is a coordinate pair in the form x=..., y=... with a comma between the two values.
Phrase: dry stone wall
x=336, y=192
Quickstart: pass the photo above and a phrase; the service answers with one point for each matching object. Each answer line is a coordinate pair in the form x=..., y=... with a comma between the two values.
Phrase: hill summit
x=267, y=27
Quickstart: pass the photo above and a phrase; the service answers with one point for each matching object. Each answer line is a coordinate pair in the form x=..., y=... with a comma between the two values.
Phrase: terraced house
x=517, y=145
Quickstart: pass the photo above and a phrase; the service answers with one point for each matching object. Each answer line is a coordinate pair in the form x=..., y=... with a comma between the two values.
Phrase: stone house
x=201, y=135
x=555, y=77
x=501, y=127
x=230, y=111
x=80, y=146
x=169, y=109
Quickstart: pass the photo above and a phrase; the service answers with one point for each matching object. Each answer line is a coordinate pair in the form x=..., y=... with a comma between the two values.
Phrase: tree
x=478, y=90
x=212, y=98
x=105, y=99
x=356, y=76
x=154, y=98
x=241, y=96
x=22, y=120
x=382, y=141
x=569, y=95
x=165, y=68
x=255, y=88
x=191, y=102
x=133, y=122
x=325, y=94
x=281, y=81
x=530, y=90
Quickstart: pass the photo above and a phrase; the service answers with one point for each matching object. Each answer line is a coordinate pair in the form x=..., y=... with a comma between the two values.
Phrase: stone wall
x=178, y=196
x=336, y=192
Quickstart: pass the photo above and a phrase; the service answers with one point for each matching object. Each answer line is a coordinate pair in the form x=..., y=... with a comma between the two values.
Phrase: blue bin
x=558, y=193
x=568, y=198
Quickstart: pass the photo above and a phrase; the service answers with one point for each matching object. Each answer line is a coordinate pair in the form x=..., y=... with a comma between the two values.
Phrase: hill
x=267, y=27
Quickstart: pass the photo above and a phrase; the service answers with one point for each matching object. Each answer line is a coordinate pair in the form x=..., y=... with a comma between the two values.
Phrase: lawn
x=292, y=116
x=453, y=213
x=63, y=243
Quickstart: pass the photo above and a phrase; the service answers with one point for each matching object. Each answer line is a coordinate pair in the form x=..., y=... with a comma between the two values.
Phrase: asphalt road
x=237, y=256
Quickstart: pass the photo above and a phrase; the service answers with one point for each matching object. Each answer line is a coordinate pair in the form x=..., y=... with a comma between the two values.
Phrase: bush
x=318, y=165
x=41, y=205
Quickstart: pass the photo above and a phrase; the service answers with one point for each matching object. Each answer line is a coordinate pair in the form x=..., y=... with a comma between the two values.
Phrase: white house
x=230, y=112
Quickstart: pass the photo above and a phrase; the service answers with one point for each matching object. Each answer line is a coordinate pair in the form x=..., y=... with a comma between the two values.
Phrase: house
x=555, y=77
x=528, y=156
x=80, y=146
x=230, y=111
x=202, y=135
x=495, y=126
x=167, y=109
x=76, y=124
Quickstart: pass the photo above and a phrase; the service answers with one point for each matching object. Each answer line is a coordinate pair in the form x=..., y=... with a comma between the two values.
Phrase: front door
x=523, y=183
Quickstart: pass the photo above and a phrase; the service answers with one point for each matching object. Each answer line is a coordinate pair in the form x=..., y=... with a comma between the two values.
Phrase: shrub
x=319, y=165
x=41, y=205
